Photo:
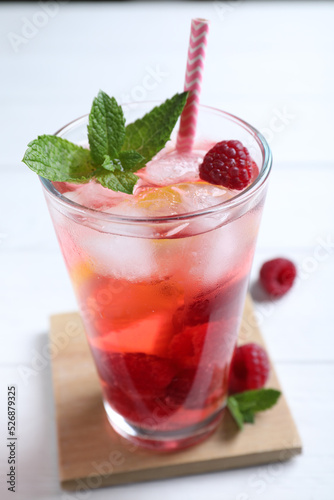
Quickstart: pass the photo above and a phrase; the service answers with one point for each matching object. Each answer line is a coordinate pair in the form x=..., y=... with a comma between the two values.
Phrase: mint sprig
x=106, y=129
x=117, y=180
x=116, y=150
x=148, y=135
x=57, y=159
x=244, y=405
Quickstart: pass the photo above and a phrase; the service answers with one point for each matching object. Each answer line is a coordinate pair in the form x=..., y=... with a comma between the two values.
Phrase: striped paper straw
x=193, y=80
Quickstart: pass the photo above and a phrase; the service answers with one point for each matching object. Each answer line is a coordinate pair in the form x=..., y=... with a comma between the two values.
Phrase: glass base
x=163, y=440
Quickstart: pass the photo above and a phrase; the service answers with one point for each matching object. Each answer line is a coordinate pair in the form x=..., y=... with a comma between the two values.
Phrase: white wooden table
x=270, y=63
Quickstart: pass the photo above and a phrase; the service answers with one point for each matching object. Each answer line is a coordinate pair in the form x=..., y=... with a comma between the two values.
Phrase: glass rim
x=227, y=205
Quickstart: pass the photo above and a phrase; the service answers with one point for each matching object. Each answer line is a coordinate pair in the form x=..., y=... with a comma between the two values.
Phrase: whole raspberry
x=249, y=368
x=228, y=164
x=277, y=276
x=137, y=374
x=203, y=344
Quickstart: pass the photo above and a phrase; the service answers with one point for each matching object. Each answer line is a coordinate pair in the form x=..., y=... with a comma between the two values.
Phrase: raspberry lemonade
x=161, y=274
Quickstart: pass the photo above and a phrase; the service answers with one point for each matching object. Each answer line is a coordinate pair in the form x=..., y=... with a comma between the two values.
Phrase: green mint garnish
x=149, y=134
x=117, y=180
x=127, y=160
x=244, y=405
x=106, y=129
x=232, y=405
x=116, y=150
x=130, y=160
x=57, y=159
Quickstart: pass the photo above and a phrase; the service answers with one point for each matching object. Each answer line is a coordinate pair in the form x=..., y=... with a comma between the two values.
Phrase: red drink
x=163, y=347
x=161, y=277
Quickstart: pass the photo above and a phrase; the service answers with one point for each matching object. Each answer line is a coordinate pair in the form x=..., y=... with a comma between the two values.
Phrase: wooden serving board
x=92, y=455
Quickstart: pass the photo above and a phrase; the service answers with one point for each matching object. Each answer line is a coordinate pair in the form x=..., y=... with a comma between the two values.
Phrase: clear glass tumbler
x=161, y=298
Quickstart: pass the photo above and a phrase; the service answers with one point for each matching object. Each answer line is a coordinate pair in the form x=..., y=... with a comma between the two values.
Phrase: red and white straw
x=194, y=72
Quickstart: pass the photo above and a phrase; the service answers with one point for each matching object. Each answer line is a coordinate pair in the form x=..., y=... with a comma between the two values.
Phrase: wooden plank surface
x=92, y=455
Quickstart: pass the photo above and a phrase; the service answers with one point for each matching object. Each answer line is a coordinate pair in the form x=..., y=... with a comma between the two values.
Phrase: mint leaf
x=59, y=160
x=257, y=399
x=110, y=164
x=232, y=405
x=248, y=417
x=244, y=405
x=148, y=135
x=127, y=161
x=106, y=129
x=130, y=160
x=117, y=180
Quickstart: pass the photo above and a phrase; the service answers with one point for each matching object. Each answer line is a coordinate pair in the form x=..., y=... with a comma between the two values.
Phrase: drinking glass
x=161, y=297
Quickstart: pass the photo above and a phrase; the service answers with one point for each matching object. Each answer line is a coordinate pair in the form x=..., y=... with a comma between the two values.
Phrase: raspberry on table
x=277, y=276
x=228, y=164
x=249, y=368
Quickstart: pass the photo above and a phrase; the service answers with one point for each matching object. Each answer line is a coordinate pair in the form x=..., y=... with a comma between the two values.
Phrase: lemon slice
x=160, y=200
x=81, y=272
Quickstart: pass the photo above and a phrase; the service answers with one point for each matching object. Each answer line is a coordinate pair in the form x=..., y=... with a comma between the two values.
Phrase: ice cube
x=134, y=258
x=215, y=257
x=201, y=195
x=93, y=195
x=173, y=167
x=121, y=256
x=225, y=252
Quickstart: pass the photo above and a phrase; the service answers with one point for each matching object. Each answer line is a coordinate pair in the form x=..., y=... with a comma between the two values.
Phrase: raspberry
x=121, y=402
x=186, y=347
x=228, y=164
x=136, y=374
x=203, y=344
x=249, y=368
x=195, y=388
x=216, y=304
x=139, y=409
x=179, y=388
x=277, y=276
